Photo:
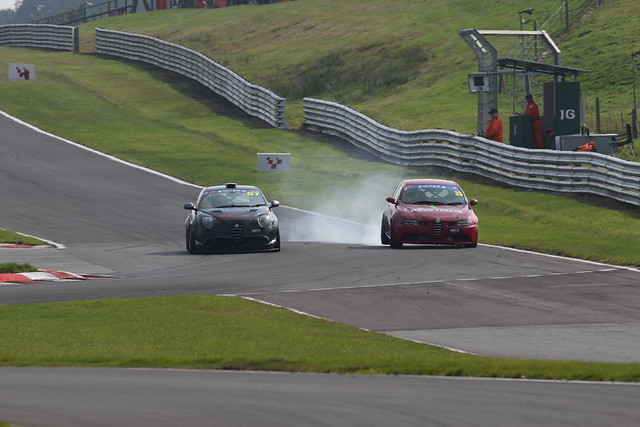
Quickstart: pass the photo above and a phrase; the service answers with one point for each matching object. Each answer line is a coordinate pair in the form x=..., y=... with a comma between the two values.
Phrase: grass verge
x=213, y=332
x=7, y=236
x=12, y=267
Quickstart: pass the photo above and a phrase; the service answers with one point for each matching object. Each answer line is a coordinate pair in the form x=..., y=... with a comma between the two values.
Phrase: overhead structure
x=532, y=67
x=524, y=56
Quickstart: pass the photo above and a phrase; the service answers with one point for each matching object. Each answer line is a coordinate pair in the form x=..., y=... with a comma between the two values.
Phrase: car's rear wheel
x=384, y=239
x=190, y=241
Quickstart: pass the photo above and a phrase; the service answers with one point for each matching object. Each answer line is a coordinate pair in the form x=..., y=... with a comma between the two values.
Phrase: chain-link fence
x=555, y=22
x=560, y=20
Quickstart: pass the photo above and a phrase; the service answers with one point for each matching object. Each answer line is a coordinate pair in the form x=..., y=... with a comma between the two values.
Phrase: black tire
x=190, y=242
x=383, y=236
x=276, y=245
x=470, y=245
x=393, y=242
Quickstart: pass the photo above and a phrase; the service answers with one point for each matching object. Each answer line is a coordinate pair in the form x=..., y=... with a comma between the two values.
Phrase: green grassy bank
x=401, y=63
x=210, y=332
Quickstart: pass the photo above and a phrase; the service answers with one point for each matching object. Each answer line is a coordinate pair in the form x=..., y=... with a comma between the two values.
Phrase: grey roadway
x=127, y=222
x=136, y=397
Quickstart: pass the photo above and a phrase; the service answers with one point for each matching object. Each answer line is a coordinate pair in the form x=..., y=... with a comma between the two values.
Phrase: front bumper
x=236, y=237
x=443, y=233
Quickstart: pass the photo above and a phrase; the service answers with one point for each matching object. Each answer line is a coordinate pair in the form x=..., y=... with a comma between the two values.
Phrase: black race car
x=232, y=217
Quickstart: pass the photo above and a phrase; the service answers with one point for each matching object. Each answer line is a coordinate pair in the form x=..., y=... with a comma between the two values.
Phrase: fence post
x=598, y=115
x=76, y=40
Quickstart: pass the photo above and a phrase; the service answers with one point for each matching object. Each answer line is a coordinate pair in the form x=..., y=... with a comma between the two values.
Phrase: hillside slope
x=401, y=63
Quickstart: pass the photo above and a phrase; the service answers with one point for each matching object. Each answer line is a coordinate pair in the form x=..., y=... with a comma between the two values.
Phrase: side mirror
x=275, y=203
x=190, y=206
x=473, y=202
x=391, y=200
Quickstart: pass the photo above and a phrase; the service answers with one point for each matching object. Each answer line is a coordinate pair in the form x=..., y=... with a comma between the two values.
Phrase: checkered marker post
x=22, y=72
x=273, y=162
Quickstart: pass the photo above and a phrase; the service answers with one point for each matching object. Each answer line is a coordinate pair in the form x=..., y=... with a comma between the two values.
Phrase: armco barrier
x=39, y=36
x=558, y=171
x=254, y=100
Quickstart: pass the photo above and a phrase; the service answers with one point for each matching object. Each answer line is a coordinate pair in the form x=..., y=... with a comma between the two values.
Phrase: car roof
x=230, y=185
x=428, y=181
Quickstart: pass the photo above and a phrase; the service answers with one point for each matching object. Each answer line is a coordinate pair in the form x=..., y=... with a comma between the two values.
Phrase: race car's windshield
x=232, y=198
x=432, y=194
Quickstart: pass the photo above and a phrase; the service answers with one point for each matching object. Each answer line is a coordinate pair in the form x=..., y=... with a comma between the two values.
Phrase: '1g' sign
x=567, y=108
x=569, y=114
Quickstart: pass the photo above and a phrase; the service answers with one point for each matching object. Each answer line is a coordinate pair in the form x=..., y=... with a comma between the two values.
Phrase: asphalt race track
x=126, y=222
x=121, y=397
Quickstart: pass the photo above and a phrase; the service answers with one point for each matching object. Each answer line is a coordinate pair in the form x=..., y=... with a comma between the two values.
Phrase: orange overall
x=533, y=113
x=494, y=129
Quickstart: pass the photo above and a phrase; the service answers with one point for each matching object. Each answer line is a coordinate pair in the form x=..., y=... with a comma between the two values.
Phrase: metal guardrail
x=252, y=99
x=557, y=171
x=39, y=36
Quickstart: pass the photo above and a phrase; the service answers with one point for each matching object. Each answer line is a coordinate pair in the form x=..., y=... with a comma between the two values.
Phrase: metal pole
x=598, y=115
x=535, y=42
x=524, y=81
x=526, y=84
x=634, y=112
x=513, y=91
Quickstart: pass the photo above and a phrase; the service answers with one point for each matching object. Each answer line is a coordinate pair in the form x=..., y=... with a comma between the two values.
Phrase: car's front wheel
x=384, y=239
x=393, y=242
x=190, y=241
x=276, y=246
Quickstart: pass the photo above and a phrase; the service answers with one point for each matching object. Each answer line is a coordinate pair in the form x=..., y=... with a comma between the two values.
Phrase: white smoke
x=310, y=226
x=343, y=215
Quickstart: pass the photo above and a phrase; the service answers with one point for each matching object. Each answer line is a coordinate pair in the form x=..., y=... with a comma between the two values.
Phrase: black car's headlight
x=208, y=221
x=265, y=221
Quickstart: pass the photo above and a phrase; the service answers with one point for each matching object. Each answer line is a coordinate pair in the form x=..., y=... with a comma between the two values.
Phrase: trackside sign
x=22, y=72
x=273, y=162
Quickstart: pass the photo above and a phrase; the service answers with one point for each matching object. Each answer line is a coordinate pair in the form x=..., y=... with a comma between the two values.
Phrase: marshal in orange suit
x=533, y=112
x=494, y=128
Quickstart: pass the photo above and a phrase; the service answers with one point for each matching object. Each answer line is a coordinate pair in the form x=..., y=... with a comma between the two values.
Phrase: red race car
x=429, y=211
